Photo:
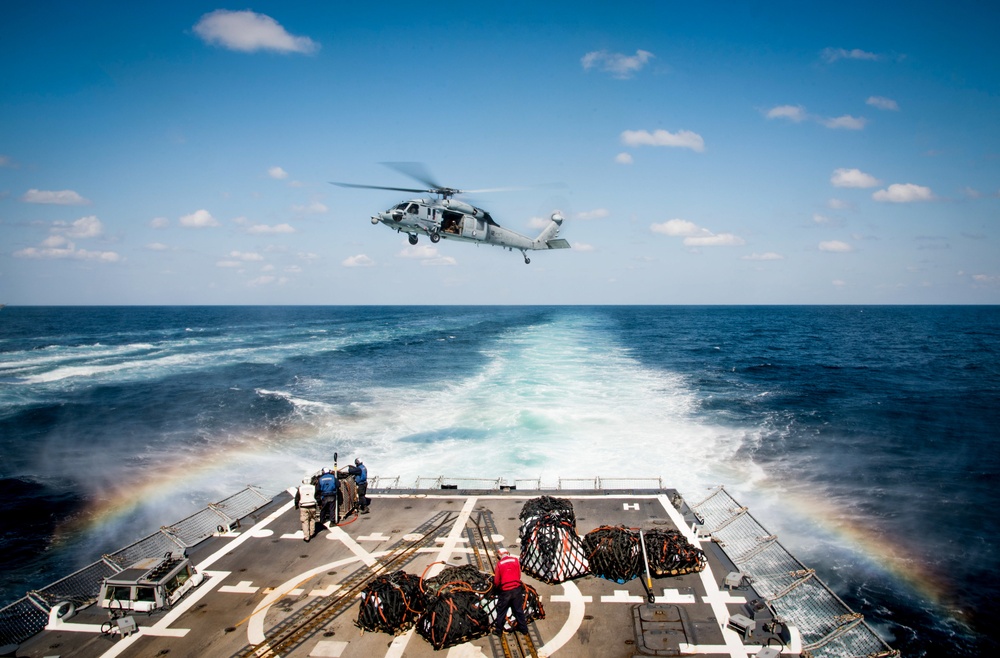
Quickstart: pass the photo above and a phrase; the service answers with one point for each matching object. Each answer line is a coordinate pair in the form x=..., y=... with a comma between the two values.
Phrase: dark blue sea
x=864, y=437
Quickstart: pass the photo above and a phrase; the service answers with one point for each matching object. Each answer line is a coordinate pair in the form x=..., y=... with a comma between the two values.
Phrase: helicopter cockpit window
x=401, y=206
x=412, y=209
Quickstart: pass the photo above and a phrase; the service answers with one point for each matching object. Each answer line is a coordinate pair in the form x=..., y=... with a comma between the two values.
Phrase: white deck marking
x=634, y=507
x=622, y=596
x=674, y=596
x=225, y=550
x=715, y=597
x=328, y=649
x=466, y=650
x=577, y=606
x=326, y=591
x=449, y=546
x=243, y=587
x=375, y=536
x=398, y=645
x=338, y=533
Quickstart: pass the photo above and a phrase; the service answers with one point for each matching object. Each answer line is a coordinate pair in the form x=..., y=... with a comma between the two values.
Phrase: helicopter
x=444, y=217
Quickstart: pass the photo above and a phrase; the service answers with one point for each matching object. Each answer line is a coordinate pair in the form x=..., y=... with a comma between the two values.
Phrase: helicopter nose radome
x=557, y=217
x=374, y=219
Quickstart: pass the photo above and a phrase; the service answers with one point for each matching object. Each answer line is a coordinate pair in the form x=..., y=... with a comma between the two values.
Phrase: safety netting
x=551, y=551
x=391, y=603
x=671, y=554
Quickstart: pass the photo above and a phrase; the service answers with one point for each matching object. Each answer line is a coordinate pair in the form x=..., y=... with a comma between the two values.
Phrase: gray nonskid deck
x=264, y=575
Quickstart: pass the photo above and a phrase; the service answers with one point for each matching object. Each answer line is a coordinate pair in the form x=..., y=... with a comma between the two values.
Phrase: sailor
x=507, y=579
x=360, y=473
x=327, y=489
x=305, y=502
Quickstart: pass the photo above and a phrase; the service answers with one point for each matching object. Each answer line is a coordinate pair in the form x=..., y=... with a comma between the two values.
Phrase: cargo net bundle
x=614, y=553
x=551, y=551
x=671, y=554
x=462, y=606
x=391, y=603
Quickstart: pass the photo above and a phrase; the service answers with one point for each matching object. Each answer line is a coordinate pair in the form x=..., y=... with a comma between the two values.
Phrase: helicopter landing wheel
x=413, y=238
x=435, y=238
x=527, y=260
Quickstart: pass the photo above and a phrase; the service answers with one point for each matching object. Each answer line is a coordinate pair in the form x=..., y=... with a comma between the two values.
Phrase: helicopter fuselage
x=451, y=219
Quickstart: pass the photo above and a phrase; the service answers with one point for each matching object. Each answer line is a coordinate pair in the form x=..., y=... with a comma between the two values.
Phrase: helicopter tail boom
x=548, y=238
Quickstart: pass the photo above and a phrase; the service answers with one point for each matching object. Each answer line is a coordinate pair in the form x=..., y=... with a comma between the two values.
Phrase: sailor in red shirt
x=507, y=579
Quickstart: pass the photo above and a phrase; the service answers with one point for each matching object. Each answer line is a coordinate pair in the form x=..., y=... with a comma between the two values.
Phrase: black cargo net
x=614, y=553
x=671, y=554
x=391, y=603
x=551, y=551
x=456, y=606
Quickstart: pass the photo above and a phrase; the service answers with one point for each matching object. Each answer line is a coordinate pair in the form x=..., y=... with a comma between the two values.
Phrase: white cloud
x=199, y=219
x=228, y=263
x=263, y=280
x=361, y=260
x=838, y=283
x=307, y=256
x=618, y=65
x=694, y=235
x=847, y=122
x=157, y=246
x=797, y=114
x=85, y=227
x=677, y=228
x=794, y=113
x=59, y=198
x=904, y=193
x=7, y=162
x=680, y=139
x=427, y=254
x=583, y=247
x=293, y=269
x=246, y=255
x=314, y=208
x=264, y=229
x=833, y=54
x=159, y=222
x=68, y=250
x=971, y=193
x=277, y=173
x=720, y=240
x=247, y=31
x=59, y=246
x=853, y=178
x=883, y=103
x=821, y=219
x=767, y=255
x=597, y=213
x=838, y=204
x=624, y=158
x=835, y=246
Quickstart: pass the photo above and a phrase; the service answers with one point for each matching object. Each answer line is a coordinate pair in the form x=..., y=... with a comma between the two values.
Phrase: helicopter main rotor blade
x=380, y=187
x=417, y=171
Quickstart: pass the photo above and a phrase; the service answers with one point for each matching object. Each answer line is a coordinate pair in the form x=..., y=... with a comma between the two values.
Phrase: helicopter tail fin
x=548, y=236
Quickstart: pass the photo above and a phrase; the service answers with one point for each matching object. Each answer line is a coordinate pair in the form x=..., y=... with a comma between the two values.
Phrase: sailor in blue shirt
x=360, y=473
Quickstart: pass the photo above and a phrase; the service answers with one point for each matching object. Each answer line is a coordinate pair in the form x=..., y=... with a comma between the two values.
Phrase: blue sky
x=767, y=153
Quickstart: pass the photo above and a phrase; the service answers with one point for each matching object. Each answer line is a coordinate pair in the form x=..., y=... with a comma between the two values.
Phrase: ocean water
x=864, y=437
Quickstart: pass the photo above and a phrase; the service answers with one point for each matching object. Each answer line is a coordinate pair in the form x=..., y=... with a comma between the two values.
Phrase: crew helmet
x=503, y=552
